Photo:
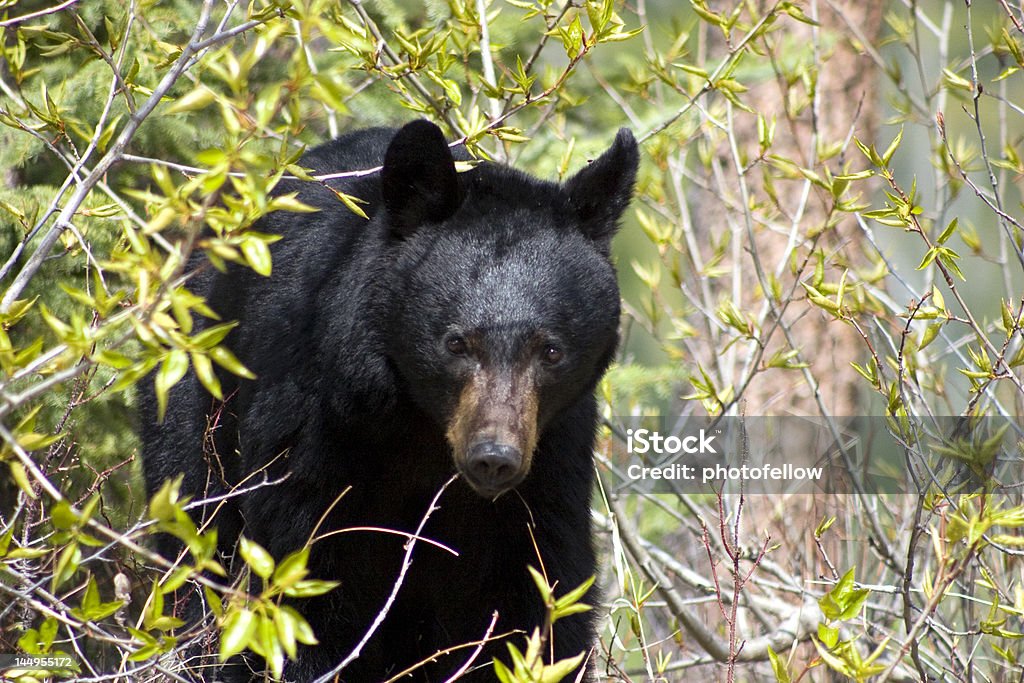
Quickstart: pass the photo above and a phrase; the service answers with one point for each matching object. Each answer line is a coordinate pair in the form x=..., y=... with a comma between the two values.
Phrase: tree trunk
x=834, y=99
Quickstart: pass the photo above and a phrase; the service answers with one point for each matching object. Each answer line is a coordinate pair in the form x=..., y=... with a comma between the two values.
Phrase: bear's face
x=504, y=307
x=498, y=338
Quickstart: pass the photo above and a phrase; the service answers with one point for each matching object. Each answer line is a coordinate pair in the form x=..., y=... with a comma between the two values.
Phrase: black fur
x=355, y=388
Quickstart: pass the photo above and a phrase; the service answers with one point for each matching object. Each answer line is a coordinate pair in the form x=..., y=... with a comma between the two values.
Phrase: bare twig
x=395, y=588
x=35, y=15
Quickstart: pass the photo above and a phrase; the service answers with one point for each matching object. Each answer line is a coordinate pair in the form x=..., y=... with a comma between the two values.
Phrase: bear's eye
x=552, y=355
x=456, y=346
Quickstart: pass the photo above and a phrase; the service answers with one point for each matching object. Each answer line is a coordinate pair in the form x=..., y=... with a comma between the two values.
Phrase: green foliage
x=40, y=642
x=844, y=603
x=531, y=666
x=261, y=623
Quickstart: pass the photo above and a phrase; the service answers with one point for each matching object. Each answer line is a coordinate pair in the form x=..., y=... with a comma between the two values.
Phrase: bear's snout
x=493, y=430
x=493, y=468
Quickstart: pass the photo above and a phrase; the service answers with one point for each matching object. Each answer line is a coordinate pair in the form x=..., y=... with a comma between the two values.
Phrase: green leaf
x=844, y=601
x=91, y=609
x=948, y=258
x=67, y=565
x=174, y=367
x=576, y=594
x=154, y=617
x=891, y=149
x=144, y=653
x=108, y=133
x=765, y=132
x=224, y=358
x=238, y=629
x=33, y=441
x=928, y=258
x=214, y=601
x=824, y=525
x=303, y=631
x=289, y=202
x=61, y=329
x=257, y=255
x=351, y=202
x=212, y=336
x=62, y=516
x=199, y=98
x=570, y=602
x=163, y=506
x=953, y=80
x=869, y=152
x=18, y=310
x=820, y=300
x=113, y=359
x=256, y=557
x=310, y=588
x=834, y=662
x=270, y=645
x=553, y=673
x=131, y=376
x=700, y=7
x=930, y=333
x=542, y=584
x=5, y=540
x=207, y=377
x=176, y=579
x=285, y=627
x=828, y=635
x=20, y=476
x=291, y=569
x=572, y=38
x=779, y=667
x=502, y=672
x=795, y=11
x=948, y=232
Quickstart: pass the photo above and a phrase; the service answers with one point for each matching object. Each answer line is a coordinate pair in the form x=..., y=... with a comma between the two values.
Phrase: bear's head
x=503, y=305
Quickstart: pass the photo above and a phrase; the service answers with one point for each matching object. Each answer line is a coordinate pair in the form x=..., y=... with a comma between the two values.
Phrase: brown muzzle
x=493, y=431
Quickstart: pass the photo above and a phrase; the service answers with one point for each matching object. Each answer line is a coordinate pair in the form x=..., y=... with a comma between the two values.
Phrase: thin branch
x=486, y=58
x=801, y=623
x=1013, y=17
x=383, y=613
x=35, y=15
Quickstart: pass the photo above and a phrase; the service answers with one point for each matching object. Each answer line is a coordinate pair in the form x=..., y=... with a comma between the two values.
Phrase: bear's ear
x=601, y=191
x=418, y=180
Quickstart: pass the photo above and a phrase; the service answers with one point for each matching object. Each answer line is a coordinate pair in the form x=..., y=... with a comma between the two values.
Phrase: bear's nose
x=493, y=467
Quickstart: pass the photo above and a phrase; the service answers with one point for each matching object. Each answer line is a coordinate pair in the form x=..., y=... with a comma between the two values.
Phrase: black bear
x=461, y=329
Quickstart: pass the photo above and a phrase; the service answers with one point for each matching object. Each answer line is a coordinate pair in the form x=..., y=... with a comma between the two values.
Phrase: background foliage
x=828, y=223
